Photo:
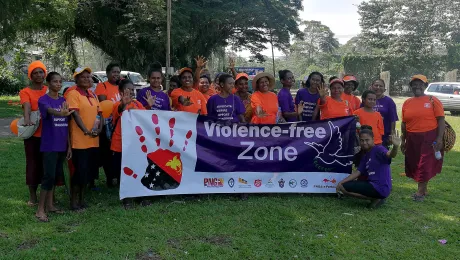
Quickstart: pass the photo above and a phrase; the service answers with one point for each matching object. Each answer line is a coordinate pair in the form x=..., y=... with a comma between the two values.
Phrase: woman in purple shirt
x=54, y=112
x=375, y=164
x=225, y=106
x=154, y=90
x=387, y=108
x=306, y=99
x=285, y=100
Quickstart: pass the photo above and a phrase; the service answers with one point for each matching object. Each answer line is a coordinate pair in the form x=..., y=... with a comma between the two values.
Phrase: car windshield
x=136, y=78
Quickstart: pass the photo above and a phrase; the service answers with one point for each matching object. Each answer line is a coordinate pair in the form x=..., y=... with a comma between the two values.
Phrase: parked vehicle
x=448, y=93
x=67, y=84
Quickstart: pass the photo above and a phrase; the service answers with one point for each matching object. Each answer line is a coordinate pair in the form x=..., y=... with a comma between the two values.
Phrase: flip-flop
x=42, y=218
x=57, y=211
x=418, y=198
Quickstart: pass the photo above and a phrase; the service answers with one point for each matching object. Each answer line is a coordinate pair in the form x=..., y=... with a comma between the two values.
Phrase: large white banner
x=168, y=152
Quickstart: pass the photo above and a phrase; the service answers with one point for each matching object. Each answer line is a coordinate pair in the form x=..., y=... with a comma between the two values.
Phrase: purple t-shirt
x=161, y=101
x=387, y=108
x=226, y=109
x=376, y=166
x=286, y=103
x=55, y=129
x=310, y=102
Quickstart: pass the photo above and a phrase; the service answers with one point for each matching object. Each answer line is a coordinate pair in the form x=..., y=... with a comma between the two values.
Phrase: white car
x=135, y=77
x=448, y=93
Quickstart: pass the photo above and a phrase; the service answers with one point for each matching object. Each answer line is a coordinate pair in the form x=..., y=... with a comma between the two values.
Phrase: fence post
x=385, y=76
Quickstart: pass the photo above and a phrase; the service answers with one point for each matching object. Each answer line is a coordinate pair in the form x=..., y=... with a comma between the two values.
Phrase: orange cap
x=349, y=78
x=35, y=65
x=241, y=75
x=336, y=81
x=419, y=77
x=80, y=70
x=184, y=70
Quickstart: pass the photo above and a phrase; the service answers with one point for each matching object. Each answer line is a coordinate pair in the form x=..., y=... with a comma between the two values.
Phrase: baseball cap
x=419, y=77
x=80, y=70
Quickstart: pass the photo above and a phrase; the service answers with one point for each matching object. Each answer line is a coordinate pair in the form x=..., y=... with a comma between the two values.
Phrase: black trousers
x=105, y=157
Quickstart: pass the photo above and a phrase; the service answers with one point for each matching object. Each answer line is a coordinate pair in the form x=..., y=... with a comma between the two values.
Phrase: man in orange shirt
x=350, y=85
x=187, y=98
x=108, y=91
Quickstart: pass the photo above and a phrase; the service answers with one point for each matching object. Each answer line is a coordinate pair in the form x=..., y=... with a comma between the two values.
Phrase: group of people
x=72, y=126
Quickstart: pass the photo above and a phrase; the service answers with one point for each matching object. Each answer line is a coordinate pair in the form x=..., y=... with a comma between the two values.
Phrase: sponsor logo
x=231, y=182
x=292, y=183
x=258, y=183
x=304, y=183
x=242, y=183
x=427, y=105
x=214, y=182
x=327, y=183
x=269, y=184
x=281, y=183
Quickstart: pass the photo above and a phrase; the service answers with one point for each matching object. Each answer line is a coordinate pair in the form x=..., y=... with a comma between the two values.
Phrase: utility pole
x=168, y=41
x=273, y=54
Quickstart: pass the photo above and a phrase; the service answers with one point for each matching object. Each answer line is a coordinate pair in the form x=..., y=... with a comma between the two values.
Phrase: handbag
x=449, y=135
x=25, y=132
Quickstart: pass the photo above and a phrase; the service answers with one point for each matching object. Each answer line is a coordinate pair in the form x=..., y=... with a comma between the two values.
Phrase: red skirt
x=421, y=163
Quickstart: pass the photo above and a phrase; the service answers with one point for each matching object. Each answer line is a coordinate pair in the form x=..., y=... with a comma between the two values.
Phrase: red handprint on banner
x=164, y=170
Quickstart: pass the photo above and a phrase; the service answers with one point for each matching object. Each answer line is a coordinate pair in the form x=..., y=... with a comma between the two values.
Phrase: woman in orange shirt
x=29, y=99
x=367, y=116
x=85, y=127
x=127, y=102
x=333, y=106
x=186, y=98
x=422, y=136
x=264, y=103
x=350, y=85
x=205, y=87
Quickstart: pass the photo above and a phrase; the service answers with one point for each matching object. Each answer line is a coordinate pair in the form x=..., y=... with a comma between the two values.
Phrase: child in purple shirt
x=306, y=99
x=375, y=164
x=154, y=90
x=285, y=100
x=54, y=113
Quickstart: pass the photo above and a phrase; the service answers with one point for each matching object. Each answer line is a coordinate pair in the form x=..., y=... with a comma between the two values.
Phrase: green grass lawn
x=223, y=227
x=7, y=110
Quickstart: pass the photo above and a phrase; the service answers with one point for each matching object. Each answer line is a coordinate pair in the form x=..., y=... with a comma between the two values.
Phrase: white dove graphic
x=328, y=153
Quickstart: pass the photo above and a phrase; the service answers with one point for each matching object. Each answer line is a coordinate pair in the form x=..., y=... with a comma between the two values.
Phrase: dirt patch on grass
x=218, y=240
x=149, y=255
x=28, y=244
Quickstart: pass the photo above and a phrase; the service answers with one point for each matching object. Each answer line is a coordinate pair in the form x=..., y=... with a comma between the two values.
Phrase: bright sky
x=341, y=16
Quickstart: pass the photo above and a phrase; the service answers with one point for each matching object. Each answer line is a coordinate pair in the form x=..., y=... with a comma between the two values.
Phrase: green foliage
x=368, y=67
x=11, y=83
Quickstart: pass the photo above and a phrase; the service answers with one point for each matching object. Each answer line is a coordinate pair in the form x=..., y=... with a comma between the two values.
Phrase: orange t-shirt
x=28, y=95
x=208, y=94
x=87, y=106
x=269, y=103
x=419, y=115
x=353, y=101
x=68, y=91
x=110, y=91
x=333, y=108
x=373, y=119
x=198, y=100
x=116, y=136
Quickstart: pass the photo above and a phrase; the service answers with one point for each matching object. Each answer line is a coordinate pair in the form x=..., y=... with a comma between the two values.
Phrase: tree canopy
x=133, y=32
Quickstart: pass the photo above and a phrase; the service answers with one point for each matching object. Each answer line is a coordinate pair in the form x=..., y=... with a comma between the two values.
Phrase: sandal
x=42, y=218
x=127, y=206
x=31, y=204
